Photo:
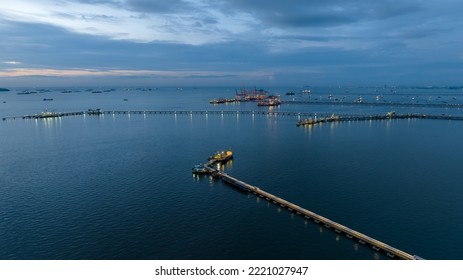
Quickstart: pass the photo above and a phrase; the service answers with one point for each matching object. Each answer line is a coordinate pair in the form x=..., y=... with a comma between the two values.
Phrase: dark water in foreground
x=121, y=187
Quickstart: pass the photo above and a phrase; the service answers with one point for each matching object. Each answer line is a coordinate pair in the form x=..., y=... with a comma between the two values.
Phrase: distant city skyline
x=215, y=43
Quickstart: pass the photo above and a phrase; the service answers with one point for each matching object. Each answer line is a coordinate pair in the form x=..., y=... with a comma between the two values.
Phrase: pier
x=98, y=112
x=387, y=104
x=316, y=117
x=46, y=115
x=388, y=116
x=307, y=214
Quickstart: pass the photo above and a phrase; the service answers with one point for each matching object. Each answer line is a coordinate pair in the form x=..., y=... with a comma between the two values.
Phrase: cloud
x=227, y=39
x=301, y=13
x=313, y=20
x=139, y=21
x=11, y=62
x=161, y=6
x=75, y=73
x=201, y=22
x=96, y=1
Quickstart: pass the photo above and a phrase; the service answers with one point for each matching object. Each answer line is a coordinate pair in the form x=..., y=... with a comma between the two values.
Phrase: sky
x=230, y=42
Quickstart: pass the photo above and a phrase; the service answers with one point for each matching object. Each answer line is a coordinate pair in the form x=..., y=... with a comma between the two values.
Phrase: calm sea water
x=120, y=187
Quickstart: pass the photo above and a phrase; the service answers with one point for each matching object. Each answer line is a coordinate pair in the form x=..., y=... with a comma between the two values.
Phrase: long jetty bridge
x=309, y=215
x=322, y=117
x=386, y=104
x=388, y=116
x=97, y=112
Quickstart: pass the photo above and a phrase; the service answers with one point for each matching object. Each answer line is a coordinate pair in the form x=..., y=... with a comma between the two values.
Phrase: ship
x=358, y=100
x=221, y=100
x=271, y=101
x=309, y=121
x=222, y=156
x=47, y=114
x=390, y=114
x=333, y=118
x=24, y=92
x=313, y=121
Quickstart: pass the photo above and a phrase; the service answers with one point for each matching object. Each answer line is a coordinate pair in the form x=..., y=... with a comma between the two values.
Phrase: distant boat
x=309, y=121
x=4, y=89
x=26, y=92
x=274, y=101
x=306, y=91
x=46, y=114
x=222, y=100
x=390, y=114
x=48, y=99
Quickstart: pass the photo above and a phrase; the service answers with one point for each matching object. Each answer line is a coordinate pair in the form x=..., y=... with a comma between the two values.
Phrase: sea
x=120, y=186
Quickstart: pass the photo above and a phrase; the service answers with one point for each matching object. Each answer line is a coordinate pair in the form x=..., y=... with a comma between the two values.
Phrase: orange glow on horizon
x=28, y=72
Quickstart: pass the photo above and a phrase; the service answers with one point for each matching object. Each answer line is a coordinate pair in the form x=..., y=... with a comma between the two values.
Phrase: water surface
x=120, y=187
